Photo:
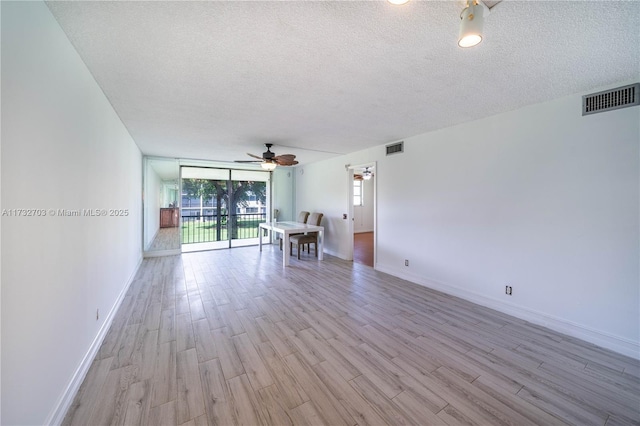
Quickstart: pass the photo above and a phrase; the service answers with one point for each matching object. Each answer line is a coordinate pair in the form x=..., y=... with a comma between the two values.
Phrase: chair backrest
x=315, y=219
x=303, y=216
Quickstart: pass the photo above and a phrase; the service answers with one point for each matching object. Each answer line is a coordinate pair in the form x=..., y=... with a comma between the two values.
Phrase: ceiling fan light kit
x=367, y=174
x=269, y=165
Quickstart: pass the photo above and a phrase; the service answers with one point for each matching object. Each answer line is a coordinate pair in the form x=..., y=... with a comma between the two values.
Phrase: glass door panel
x=249, y=195
x=204, y=210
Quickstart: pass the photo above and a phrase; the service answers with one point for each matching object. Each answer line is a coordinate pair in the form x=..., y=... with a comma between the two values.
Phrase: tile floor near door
x=231, y=337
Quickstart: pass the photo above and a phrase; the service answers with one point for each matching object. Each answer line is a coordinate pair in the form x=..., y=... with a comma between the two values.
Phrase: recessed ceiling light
x=398, y=1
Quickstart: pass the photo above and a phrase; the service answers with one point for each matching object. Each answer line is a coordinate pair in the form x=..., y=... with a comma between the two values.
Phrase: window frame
x=358, y=193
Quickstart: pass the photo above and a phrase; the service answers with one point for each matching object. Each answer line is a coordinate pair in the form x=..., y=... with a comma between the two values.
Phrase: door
x=362, y=213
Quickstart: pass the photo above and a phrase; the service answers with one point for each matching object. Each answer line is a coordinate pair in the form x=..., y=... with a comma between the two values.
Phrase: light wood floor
x=230, y=337
x=166, y=239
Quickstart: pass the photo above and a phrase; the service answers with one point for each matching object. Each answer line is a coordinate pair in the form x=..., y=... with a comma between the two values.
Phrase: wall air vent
x=395, y=148
x=608, y=100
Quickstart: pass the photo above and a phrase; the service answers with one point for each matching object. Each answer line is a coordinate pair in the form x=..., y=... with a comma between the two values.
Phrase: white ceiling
x=214, y=80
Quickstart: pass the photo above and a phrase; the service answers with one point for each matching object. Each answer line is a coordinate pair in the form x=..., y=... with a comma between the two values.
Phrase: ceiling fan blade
x=255, y=156
x=285, y=157
x=282, y=162
x=248, y=161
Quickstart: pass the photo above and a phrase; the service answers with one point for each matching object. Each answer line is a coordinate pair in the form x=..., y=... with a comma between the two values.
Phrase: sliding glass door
x=222, y=208
x=249, y=194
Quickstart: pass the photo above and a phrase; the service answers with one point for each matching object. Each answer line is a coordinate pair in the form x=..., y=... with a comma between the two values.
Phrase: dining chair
x=299, y=240
x=302, y=218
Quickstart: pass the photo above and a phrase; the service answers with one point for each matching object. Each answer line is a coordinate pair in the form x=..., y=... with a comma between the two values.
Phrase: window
x=357, y=192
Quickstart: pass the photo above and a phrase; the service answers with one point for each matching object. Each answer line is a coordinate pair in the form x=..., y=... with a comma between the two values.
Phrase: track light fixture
x=472, y=19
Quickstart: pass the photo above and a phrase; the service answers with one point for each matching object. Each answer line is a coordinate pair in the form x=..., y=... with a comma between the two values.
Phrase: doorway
x=221, y=208
x=362, y=207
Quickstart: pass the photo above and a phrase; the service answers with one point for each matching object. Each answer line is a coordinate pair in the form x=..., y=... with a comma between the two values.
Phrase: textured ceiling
x=214, y=80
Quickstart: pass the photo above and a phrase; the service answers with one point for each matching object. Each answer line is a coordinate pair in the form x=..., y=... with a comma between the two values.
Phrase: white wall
x=322, y=187
x=541, y=199
x=152, y=200
x=63, y=147
x=282, y=184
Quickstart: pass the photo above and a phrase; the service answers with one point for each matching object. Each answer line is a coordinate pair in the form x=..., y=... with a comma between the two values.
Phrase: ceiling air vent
x=608, y=100
x=395, y=148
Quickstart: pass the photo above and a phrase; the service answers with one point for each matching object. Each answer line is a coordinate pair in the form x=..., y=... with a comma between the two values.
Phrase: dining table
x=287, y=229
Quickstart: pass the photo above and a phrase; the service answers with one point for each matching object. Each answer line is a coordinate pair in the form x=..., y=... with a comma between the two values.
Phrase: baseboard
x=66, y=399
x=337, y=254
x=615, y=343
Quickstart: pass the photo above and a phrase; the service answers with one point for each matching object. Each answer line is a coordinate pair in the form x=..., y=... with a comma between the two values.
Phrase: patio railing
x=205, y=228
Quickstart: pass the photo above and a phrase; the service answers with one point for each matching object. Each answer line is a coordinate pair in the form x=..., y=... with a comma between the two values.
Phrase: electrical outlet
x=508, y=290
x=406, y=262
x=97, y=314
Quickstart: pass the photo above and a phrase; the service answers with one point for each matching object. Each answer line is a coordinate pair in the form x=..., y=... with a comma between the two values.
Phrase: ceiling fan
x=366, y=174
x=270, y=160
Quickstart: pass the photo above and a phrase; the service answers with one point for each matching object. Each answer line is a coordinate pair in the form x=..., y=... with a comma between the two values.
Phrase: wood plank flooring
x=363, y=248
x=230, y=337
x=166, y=239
